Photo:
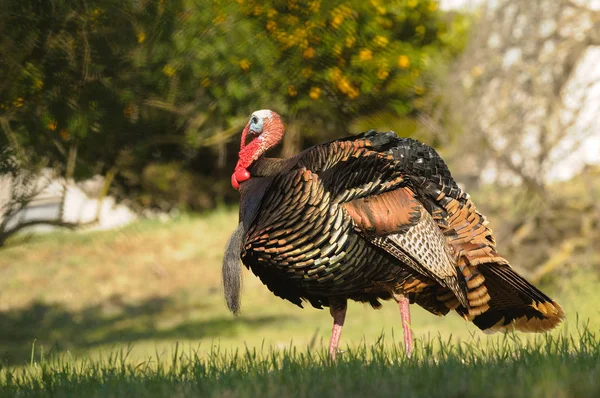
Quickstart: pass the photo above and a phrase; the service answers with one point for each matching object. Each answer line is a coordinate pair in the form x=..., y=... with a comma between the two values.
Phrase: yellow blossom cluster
x=382, y=74
x=219, y=19
x=168, y=70
x=17, y=103
x=378, y=7
x=309, y=53
x=292, y=92
x=314, y=6
x=403, y=62
x=245, y=64
x=350, y=41
x=343, y=84
x=339, y=14
x=365, y=54
x=315, y=93
x=381, y=41
x=271, y=26
x=299, y=37
x=306, y=72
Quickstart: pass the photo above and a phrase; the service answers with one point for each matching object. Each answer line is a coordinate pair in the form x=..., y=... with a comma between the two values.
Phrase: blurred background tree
x=153, y=94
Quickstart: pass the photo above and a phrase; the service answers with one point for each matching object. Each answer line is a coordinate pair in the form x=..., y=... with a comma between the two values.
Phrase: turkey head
x=265, y=129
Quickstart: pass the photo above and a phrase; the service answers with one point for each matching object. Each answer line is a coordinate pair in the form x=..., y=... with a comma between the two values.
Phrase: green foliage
x=124, y=84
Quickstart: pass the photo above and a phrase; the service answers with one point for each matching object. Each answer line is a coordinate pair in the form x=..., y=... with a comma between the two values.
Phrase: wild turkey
x=371, y=217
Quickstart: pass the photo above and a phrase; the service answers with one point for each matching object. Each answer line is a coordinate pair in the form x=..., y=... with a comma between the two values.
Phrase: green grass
x=558, y=366
x=152, y=288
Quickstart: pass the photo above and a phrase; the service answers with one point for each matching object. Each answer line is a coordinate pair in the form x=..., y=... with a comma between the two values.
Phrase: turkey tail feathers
x=515, y=303
x=232, y=271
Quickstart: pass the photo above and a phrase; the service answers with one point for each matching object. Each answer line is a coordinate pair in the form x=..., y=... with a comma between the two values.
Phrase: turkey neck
x=270, y=167
x=252, y=191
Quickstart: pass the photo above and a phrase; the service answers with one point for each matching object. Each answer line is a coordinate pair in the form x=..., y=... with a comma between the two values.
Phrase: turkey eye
x=254, y=120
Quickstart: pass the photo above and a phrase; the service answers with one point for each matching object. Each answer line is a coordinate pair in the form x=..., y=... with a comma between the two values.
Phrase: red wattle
x=239, y=175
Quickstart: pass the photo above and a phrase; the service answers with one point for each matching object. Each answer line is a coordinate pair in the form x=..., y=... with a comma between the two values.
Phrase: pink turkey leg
x=403, y=303
x=339, y=315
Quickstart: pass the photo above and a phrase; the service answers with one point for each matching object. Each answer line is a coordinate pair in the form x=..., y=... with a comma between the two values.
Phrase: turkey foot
x=403, y=304
x=337, y=308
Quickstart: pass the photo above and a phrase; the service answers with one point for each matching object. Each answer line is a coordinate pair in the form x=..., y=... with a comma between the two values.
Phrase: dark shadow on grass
x=58, y=329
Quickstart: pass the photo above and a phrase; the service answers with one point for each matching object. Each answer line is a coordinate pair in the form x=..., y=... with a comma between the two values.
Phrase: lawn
x=71, y=302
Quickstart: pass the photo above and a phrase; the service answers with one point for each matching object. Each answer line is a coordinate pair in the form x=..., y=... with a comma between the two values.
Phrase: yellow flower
x=257, y=9
x=382, y=74
x=245, y=64
x=141, y=36
x=381, y=41
x=315, y=93
x=292, y=92
x=292, y=20
x=313, y=6
x=52, y=125
x=337, y=50
x=433, y=6
x=378, y=7
x=344, y=85
x=420, y=30
x=271, y=13
x=271, y=25
x=309, y=53
x=219, y=19
x=365, y=54
x=403, y=62
x=336, y=74
x=337, y=21
x=306, y=72
x=411, y=3
x=168, y=70
x=350, y=41
x=384, y=22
